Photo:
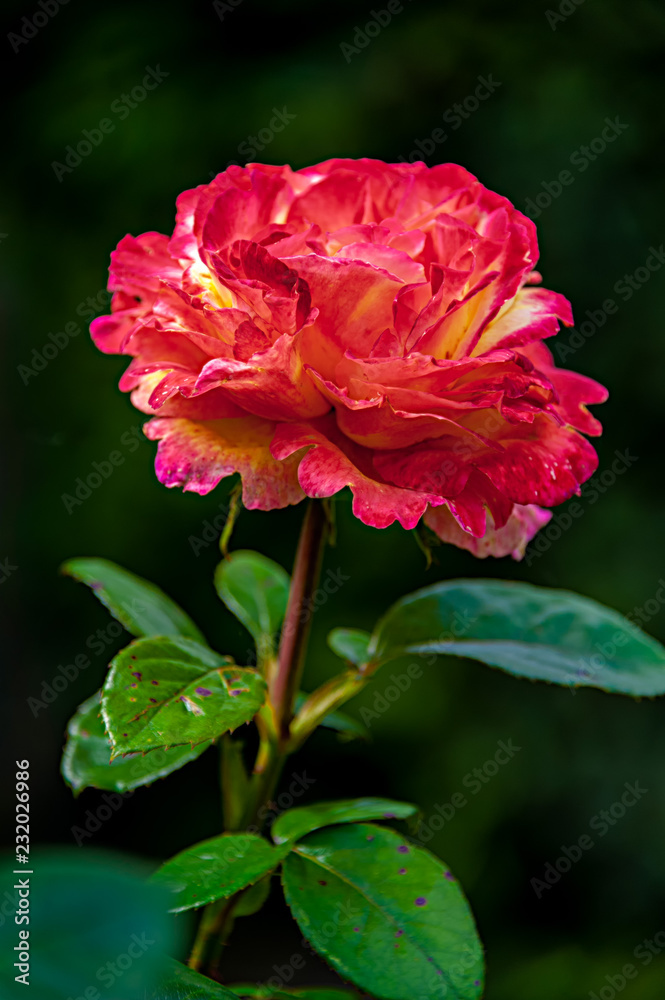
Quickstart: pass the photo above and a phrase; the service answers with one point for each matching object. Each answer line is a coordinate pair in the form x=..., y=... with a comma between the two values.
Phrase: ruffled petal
x=533, y=314
x=574, y=391
x=377, y=325
x=272, y=384
x=509, y=540
x=333, y=463
x=197, y=455
x=539, y=463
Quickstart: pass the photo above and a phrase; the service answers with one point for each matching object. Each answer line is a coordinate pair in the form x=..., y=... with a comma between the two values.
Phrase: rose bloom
x=362, y=324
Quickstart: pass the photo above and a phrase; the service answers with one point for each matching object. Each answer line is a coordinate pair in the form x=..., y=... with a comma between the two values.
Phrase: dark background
x=558, y=83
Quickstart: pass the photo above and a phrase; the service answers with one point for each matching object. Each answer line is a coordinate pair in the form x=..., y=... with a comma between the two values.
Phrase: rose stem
x=215, y=927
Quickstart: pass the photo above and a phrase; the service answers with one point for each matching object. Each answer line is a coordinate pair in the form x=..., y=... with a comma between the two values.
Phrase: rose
x=355, y=324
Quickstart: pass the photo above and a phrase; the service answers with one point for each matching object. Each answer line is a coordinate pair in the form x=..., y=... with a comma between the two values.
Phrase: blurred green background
x=556, y=78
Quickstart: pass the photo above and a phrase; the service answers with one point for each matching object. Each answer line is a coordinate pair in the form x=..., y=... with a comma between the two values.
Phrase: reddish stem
x=297, y=621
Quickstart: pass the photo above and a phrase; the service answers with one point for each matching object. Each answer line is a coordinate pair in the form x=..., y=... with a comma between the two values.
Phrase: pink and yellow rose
x=355, y=324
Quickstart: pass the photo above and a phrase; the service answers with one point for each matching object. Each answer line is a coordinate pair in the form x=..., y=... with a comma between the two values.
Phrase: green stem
x=262, y=785
x=217, y=920
x=203, y=935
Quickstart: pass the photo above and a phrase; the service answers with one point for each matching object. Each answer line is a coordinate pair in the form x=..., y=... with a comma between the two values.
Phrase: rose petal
x=197, y=455
x=510, y=540
x=333, y=463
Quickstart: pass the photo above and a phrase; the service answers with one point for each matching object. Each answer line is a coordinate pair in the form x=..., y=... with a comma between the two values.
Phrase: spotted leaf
x=387, y=915
x=86, y=762
x=167, y=691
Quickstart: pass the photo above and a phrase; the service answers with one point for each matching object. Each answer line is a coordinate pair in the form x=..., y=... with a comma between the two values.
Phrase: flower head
x=355, y=324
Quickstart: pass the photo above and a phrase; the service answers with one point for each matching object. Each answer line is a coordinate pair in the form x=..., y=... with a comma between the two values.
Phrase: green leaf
x=90, y=913
x=347, y=727
x=253, y=992
x=350, y=643
x=166, y=692
x=296, y=823
x=384, y=913
x=534, y=632
x=181, y=983
x=256, y=590
x=253, y=898
x=86, y=760
x=216, y=869
x=141, y=607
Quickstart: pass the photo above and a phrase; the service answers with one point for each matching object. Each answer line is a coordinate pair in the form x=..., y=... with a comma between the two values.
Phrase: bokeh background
x=556, y=77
